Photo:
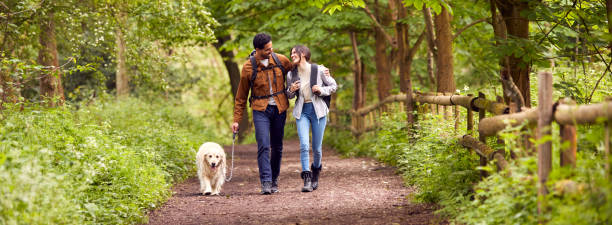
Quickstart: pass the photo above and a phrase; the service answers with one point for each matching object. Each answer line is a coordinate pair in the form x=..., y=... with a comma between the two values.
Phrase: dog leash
x=232, y=168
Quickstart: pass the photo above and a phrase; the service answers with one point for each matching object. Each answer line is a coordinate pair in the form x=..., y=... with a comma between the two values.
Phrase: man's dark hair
x=260, y=40
x=301, y=49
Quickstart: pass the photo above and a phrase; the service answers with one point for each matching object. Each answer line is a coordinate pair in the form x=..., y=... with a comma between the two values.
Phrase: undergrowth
x=430, y=159
x=108, y=162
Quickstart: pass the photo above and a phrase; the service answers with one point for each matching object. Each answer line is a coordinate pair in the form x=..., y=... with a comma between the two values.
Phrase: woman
x=310, y=110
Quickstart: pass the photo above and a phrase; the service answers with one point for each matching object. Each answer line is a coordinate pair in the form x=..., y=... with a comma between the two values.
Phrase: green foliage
x=86, y=32
x=584, y=189
x=435, y=5
x=343, y=142
x=291, y=23
x=108, y=162
x=429, y=157
x=331, y=6
x=501, y=199
x=510, y=197
x=198, y=77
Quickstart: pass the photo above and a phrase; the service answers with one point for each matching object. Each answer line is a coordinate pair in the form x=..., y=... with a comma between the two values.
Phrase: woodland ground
x=352, y=191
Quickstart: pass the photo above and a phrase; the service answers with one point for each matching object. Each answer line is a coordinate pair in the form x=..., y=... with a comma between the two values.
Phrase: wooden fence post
x=433, y=108
x=481, y=115
x=470, y=117
x=447, y=109
x=440, y=107
x=545, y=116
x=456, y=115
x=568, y=133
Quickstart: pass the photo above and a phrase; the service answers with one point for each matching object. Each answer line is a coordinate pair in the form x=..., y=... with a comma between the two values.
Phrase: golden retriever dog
x=211, y=168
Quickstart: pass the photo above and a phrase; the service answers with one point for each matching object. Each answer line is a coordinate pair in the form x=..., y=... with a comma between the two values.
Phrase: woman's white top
x=305, y=90
x=327, y=85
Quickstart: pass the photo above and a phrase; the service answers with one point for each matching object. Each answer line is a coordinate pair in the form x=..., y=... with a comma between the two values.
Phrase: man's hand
x=326, y=71
x=316, y=89
x=295, y=86
x=235, y=127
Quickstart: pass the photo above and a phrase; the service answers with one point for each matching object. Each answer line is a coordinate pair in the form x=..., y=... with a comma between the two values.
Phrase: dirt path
x=351, y=191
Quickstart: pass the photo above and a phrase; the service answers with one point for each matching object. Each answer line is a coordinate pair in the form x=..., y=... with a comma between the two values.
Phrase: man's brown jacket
x=261, y=86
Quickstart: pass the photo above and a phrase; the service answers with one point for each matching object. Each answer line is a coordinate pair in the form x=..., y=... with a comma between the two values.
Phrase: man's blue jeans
x=307, y=120
x=269, y=131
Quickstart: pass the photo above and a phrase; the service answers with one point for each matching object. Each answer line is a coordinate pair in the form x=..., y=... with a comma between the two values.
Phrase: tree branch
x=512, y=91
x=2, y=3
x=588, y=100
x=468, y=26
x=355, y=51
x=558, y=22
x=430, y=34
x=416, y=45
x=382, y=30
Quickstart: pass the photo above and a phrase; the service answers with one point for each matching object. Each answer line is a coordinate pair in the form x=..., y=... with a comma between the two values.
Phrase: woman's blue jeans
x=308, y=119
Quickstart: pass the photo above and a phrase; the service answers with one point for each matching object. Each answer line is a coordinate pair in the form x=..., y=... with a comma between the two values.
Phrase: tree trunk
x=609, y=10
x=517, y=27
x=404, y=66
x=430, y=70
x=431, y=37
x=405, y=63
x=234, y=75
x=383, y=64
x=444, y=60
x=358, y=93
x=122, y=79
x=50, y=80
x=499, y=29
x=431, y=47
x=393, y=8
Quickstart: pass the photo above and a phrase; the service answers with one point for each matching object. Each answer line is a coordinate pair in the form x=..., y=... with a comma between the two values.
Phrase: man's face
x=266, y=51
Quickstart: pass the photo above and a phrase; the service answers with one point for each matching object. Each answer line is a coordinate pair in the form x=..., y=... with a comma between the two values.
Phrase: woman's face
x=295, y=56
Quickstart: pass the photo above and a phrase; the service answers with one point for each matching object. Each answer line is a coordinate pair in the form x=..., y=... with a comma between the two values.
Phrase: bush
x=105, y=163
x=578, y=195
x=428, y=157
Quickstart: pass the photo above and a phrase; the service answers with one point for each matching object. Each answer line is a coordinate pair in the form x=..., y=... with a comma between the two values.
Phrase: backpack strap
x=253, y=76
x=313, y=81
x=294, y=77
x=279, y=64
x=313, y=74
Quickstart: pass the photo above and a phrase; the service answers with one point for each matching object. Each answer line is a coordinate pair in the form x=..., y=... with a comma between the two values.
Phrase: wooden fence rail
x=484, y=150
x=565, y=112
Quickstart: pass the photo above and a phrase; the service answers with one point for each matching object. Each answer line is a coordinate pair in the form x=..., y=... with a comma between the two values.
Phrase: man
x=269, y=103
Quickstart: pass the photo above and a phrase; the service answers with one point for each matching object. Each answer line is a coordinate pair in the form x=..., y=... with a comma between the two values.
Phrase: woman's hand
x=316, y=90
x=295, y=86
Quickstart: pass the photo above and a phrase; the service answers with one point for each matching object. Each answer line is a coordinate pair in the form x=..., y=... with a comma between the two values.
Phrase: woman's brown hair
x=301, y=49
